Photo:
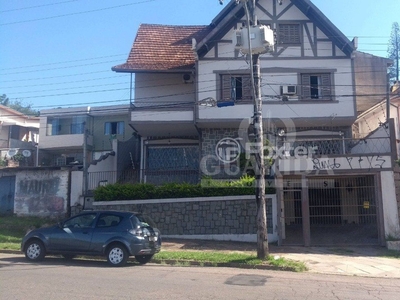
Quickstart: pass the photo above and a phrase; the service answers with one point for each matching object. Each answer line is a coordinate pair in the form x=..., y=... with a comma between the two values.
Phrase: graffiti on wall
x=361, y=162
x=40, y=195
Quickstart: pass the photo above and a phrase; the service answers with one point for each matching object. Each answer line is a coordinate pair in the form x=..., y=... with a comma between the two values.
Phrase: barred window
x=289, y=34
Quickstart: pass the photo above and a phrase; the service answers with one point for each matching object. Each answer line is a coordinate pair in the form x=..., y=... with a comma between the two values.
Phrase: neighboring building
x=376, y=117
x=96, y=140
x=19, y=135
x=71, y=135
x=193, y=91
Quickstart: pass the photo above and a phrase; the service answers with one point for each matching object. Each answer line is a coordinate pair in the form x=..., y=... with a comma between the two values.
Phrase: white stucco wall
x=76, y=188
x=390, y=210
x=156, y=89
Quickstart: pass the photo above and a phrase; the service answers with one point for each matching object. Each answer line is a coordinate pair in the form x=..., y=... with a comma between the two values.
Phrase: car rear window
x=108, y=220
x=143, y=221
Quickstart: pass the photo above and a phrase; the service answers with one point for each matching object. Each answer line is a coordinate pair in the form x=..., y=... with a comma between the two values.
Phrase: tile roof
x=163, y=48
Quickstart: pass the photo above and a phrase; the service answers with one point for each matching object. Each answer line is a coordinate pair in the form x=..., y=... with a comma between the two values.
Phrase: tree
x=18, y=105
x=394, y=52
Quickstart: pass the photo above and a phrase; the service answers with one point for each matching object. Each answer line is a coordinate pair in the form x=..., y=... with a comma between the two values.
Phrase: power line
x=61, y=62
x=77, y=13
x=58, y=68
x=36, y=6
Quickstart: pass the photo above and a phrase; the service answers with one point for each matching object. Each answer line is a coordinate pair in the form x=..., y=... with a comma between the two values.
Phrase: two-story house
x=97, y=140
x=19, y=135
x=193, y=109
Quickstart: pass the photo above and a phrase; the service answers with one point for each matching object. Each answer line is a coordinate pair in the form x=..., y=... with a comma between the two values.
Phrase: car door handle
x=85, y=232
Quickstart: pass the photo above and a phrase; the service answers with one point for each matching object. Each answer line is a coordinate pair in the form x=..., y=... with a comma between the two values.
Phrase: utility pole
x=263, y=38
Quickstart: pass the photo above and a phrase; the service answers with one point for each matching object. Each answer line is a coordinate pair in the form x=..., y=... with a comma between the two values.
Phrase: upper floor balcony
x=65, y=132
x=167, y=119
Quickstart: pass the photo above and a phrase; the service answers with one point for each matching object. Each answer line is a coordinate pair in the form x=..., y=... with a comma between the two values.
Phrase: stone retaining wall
x=220, y=218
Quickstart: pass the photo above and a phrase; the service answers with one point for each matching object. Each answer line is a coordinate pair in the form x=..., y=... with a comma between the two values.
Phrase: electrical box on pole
x=262, y=39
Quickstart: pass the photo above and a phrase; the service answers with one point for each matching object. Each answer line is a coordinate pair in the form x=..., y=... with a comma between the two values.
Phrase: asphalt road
x=56, y=278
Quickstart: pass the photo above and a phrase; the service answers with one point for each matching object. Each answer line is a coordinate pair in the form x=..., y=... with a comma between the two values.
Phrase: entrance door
x=292, y=212
x=7, y=192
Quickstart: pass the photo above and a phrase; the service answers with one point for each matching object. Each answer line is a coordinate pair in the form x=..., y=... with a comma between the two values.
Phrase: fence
x=343, y=146
x=157, y=177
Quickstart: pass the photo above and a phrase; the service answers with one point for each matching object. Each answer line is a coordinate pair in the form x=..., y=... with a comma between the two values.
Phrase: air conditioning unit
x=187, y=78
x=288, y=90
x=60, y=161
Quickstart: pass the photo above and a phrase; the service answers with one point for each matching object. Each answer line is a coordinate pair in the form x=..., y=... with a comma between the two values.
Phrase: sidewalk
x=353, y=261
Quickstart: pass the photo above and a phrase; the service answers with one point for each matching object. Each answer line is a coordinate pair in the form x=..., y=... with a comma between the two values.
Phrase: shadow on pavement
x=10, y=260
x=170, y=244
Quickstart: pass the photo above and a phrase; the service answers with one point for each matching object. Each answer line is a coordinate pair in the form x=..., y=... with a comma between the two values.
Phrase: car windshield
x=145, y=221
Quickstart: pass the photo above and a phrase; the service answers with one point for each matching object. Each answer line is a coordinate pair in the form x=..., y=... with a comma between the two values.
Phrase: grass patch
x=13, y=229
x=215, y=258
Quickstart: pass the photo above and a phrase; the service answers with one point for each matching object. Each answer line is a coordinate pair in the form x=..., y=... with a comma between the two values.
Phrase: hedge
x=208, y=188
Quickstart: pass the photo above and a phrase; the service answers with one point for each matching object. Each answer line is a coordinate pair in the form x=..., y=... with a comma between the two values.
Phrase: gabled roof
x=169, y=48
x=163, y=48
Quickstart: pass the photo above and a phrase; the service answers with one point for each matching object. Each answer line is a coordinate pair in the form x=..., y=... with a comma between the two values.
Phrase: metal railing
x=342, y=146
x=157, y=177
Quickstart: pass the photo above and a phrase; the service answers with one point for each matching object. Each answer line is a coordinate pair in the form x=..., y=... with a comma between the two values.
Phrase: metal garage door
x=333, y=211
x=7, y=191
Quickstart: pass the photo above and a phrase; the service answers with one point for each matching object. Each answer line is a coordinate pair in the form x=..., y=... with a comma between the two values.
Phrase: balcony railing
x=344, y=146
x=157, y=177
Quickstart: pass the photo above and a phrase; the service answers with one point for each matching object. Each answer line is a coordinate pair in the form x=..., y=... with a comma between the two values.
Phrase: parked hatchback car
x=115, y=235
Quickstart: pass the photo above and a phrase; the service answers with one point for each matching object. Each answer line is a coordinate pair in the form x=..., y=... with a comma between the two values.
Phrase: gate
x=7, y=192
x=343, y=211
x=339, y=211
x=292, y=212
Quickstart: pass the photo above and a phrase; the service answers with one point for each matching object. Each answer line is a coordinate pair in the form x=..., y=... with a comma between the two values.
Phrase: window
x=78, y=125
x=106, y=220
x=55, y=126
x=289, y=34
x=113, y=128
x=316, y=86
x=236, y=87
x=83, y=221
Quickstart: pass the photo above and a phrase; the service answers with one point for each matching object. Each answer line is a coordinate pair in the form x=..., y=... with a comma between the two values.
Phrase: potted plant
x=15, y=160
x=3, y=162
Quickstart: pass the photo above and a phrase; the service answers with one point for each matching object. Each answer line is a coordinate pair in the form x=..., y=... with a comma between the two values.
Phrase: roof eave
x=311, y=11
x=120, y=70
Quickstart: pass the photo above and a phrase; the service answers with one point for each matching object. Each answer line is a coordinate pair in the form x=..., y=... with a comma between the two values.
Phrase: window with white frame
x=316, y=86
x=111, y=128
x=289, y=34
x=236, y=87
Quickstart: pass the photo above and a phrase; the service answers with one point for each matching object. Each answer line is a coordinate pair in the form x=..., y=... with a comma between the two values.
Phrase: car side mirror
x=60, y=224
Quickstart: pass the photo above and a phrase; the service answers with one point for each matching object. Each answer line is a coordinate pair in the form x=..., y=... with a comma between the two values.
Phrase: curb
x=183, y=263
x=191, y=263
x=6, y=251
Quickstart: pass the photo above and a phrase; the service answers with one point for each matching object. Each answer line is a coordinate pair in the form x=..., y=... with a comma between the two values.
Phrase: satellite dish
x=12, y=152
x=26, y=153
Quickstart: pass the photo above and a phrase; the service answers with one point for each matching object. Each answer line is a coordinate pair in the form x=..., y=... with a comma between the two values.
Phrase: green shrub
x=208, y=188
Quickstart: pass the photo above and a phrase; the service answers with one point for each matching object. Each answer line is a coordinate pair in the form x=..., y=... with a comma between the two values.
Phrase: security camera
x=280, y=2
x=221, y=2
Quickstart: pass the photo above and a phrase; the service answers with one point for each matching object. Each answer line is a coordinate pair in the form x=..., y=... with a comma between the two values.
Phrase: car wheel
x=68, y=256
x=117, y=255
x=35, y=251
x=143, y=259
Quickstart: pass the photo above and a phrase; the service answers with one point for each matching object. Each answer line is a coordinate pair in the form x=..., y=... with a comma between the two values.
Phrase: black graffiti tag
x=325, y=165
